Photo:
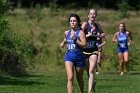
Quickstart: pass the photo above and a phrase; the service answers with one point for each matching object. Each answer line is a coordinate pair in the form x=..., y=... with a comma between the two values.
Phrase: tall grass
x=45, y=29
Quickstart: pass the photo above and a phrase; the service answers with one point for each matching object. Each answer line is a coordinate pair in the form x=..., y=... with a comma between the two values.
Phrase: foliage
x=124, y=7
x=35, y=14
x=53, y=8
x=108, y=4
x=46, y=34
x=15, y=52
x=4, y=6
x=133, y=60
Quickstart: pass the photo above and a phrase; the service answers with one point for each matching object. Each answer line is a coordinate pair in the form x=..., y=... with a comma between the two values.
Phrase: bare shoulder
x=82, y=32
x=116, y=34
x=66, y=32
x=128, y=32
x=84, y=24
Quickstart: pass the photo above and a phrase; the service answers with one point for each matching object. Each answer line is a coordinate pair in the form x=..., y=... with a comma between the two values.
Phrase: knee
x=91, y=75
x=126, y=60
x=70, y=78
x=99, y=61
x=91, y=72
x=121, y=60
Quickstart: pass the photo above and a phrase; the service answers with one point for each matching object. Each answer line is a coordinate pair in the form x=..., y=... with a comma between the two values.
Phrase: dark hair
x=123, y=25
x=77, y=18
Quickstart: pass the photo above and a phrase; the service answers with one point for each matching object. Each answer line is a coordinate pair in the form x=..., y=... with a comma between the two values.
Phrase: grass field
x=45, y=29
x=56, y=83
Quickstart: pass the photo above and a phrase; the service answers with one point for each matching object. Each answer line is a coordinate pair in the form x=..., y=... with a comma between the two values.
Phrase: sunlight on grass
x=56, y=82
x=45, y=29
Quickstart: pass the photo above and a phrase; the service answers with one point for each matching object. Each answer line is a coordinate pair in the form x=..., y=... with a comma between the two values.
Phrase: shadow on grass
x=134, y=73
x=125, y=73
x=29, y=75
x=18, y=81
x=111, y=86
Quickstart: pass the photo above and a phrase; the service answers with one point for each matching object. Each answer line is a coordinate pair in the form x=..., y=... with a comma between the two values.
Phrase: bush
x=15, y=52
x=124, y=7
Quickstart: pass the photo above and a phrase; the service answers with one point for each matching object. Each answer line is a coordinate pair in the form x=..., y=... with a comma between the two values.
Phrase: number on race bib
x=90, y=44
x=71, y=46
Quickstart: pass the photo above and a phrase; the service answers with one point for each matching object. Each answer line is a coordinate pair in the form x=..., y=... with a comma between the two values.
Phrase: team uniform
x=122, y=43
x=91, y=46
x=74, y=52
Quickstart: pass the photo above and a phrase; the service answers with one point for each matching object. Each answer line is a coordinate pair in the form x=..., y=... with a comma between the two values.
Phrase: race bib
x=70, y=46
x=90, y=44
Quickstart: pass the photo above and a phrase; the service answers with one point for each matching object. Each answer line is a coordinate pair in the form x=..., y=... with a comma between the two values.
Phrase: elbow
x=113, y=41
x=84, y=46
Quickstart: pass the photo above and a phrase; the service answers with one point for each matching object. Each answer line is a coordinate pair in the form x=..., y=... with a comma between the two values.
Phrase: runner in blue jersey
x=91, y=30
x=124, y=39
x=74, y=59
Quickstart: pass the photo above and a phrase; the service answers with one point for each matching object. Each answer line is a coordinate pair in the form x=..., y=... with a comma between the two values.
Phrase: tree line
x=109, y=4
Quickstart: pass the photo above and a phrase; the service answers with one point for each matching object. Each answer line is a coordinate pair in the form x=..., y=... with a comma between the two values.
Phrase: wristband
x=75, y=39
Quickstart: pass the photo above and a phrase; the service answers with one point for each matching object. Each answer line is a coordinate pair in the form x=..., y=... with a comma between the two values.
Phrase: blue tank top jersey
x=92, y=40
x=73, y=49
x=122, y=40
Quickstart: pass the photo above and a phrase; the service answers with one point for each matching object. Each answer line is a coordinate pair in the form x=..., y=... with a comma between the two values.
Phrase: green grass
x=56, y=83
x=113, y=83
x=31, y=26
x=35, y=25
